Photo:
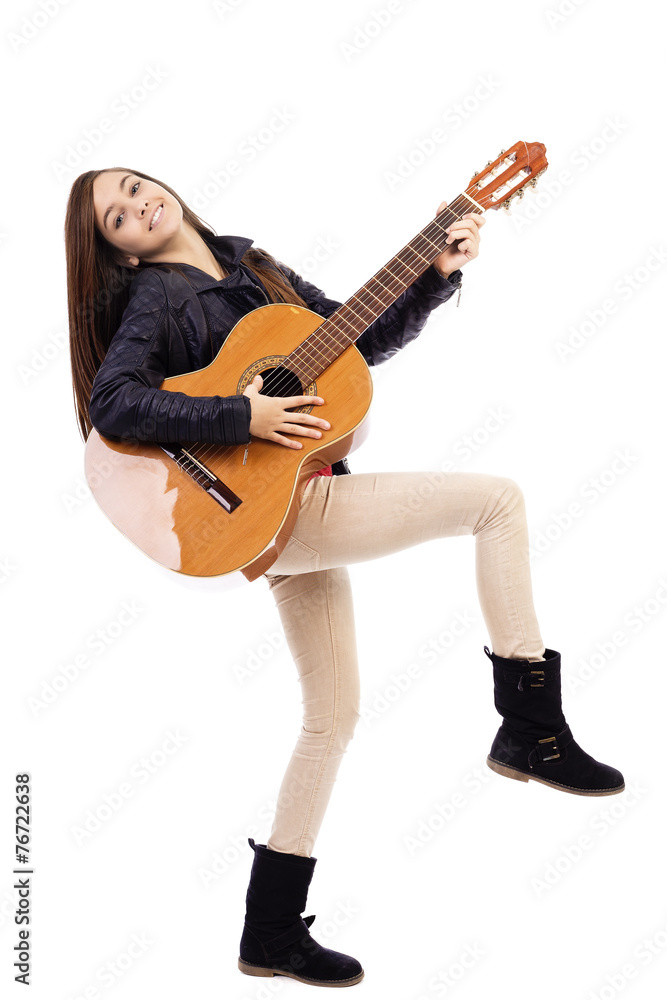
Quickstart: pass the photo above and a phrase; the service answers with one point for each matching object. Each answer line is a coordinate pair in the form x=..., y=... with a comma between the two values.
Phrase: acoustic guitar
x=207, y=509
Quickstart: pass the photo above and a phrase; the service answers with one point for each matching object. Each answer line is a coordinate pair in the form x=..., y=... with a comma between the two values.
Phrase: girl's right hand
x=269, y=416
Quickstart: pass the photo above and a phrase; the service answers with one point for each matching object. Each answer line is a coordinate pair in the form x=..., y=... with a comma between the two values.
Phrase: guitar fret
x=380, y=292
x=300, y=367
x=350, y=320
x=361, y=316
x=431, y=243
x=392, y=296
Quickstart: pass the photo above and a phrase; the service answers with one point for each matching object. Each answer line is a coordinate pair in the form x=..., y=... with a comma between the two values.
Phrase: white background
x=554, y=894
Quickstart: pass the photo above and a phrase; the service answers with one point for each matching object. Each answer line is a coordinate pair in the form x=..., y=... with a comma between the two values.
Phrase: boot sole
x=513, y=772
x=260, y=970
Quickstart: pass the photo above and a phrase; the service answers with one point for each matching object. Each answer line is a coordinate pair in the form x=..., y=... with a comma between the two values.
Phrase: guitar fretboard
x=349, y=321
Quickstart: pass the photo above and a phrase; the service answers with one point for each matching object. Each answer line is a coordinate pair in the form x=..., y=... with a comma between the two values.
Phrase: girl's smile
x=157, y=217
x=138, y=216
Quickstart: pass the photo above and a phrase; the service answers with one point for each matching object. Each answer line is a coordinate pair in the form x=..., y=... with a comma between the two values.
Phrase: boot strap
x=550, y=748
x=532, y=678
x=292, y=934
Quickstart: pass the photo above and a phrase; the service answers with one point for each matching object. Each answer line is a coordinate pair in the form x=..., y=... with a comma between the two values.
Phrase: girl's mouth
x=156, y=218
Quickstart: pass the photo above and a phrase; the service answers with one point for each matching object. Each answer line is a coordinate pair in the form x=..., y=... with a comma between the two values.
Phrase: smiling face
x=136, y=215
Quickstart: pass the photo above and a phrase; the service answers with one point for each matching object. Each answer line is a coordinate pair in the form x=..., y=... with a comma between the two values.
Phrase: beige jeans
x=353, y=518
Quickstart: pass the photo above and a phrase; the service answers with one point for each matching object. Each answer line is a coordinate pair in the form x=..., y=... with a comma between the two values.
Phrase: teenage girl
x=153, y=293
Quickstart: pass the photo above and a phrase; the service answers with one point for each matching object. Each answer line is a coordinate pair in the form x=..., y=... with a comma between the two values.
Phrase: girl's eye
x=133, y=192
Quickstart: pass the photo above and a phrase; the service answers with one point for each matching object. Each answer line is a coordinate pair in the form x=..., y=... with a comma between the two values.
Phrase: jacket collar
x=228, y=249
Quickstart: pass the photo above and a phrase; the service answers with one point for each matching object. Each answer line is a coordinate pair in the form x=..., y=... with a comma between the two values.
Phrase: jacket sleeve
x=398, y=325
x=126, y=402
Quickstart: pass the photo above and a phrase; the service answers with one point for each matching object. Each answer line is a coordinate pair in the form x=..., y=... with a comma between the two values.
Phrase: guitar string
x=331, y=321
x=413, y=256
x=360, y=298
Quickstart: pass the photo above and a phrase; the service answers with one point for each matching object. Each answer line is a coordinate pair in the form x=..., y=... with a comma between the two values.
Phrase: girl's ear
x=133, y=261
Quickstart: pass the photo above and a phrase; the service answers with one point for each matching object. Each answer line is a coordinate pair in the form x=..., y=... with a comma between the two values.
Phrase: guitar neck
x=349, y=321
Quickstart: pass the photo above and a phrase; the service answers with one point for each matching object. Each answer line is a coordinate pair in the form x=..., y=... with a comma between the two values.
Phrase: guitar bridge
x=203, y=476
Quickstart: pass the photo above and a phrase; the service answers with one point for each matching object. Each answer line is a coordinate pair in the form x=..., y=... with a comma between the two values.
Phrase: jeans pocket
x=296, y=557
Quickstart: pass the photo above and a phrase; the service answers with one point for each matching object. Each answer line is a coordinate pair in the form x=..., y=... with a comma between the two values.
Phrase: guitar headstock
x=508, y=175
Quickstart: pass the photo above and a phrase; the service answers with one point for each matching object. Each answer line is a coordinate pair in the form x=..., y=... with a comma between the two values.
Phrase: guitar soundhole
x=281, y=381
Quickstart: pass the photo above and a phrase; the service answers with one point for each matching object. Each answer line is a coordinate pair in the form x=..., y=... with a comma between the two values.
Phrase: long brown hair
x=98, y=280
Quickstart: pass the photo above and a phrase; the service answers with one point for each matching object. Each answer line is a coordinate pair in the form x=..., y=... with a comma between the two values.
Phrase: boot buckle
x=547, y=752
x=536, y=678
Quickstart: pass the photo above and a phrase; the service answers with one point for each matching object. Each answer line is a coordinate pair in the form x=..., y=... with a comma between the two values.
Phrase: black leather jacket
x=172, y=326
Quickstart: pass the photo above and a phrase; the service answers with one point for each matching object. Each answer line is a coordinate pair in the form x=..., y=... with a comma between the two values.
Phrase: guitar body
x=163, y=508
x=207, y=510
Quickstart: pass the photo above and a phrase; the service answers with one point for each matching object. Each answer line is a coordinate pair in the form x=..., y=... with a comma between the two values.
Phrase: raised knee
x=511, y=494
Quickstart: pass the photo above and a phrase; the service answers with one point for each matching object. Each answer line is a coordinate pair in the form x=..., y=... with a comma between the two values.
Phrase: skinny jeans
x=354, y=518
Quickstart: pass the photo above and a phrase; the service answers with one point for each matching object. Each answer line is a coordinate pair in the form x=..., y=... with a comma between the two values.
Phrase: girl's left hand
x=465, y=229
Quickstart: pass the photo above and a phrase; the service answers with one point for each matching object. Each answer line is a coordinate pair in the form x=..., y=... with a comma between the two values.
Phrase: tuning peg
x=489, y=162
x=506, y=206
x=521, y=193
x=475, y=174
x=501, y=152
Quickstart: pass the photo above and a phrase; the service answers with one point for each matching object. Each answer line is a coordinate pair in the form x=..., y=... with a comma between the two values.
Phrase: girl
x=152, y=293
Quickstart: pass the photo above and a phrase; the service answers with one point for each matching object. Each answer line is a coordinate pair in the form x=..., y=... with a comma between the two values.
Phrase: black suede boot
x=534, y=740
x=276, y=940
